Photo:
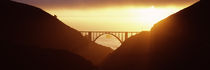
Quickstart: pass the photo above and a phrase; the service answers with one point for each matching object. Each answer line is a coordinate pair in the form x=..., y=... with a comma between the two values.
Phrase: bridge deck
x=120, y=35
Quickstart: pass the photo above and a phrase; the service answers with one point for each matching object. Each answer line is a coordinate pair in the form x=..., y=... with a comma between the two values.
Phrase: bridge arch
x=120, y=36
x=108, y=34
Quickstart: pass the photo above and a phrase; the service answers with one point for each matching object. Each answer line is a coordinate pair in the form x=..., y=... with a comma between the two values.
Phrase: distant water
x=109, y=41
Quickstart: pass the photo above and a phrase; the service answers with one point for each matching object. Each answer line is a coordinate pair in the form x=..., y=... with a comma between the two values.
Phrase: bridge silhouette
x=121, y=36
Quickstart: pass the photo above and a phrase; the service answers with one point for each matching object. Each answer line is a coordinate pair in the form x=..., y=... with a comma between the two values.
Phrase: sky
x=103, y=3
x=110, y=15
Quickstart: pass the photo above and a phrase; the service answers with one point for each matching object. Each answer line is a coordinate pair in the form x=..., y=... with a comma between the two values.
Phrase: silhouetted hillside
x=32, y=39
x=28, y=57
x=182, y=41
x=131, y=55
x=95, y=53
x=32, y=26
x=27, y=25
x=179, y=42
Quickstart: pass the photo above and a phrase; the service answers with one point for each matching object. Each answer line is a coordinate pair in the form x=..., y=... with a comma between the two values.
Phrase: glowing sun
x=150, y=16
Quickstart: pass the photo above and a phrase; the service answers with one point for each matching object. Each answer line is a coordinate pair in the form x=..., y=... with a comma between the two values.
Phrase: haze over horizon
x=105, y=35
x=110, y=15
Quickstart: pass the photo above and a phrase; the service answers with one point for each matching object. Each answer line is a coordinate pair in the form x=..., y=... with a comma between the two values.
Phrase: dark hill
x=32, y=39
x=179, y=42
x=29, y=25
x=95, y=53
x=28, y=57
x=131, y=55
x=182, y=41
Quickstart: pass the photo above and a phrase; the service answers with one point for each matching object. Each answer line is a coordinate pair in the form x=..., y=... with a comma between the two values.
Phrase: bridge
x=121, y=36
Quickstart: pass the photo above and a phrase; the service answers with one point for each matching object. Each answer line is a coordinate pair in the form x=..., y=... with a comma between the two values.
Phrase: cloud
x=102, y=3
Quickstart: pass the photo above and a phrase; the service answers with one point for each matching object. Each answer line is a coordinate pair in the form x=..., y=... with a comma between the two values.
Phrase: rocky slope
x=182, y=41
x=179, y=42
x=29, y=57
x=131, y=55
x=30, y=37
x=27, y=25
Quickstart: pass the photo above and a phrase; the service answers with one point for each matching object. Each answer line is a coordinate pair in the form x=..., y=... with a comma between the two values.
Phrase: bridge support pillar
x=90, y=36
x=126, y=35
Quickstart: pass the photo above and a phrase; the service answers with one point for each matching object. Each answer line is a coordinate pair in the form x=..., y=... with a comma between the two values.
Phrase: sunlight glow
x=114, y=19
x=150, y=16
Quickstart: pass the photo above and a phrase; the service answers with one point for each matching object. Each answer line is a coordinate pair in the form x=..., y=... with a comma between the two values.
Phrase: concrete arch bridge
x=121, y=36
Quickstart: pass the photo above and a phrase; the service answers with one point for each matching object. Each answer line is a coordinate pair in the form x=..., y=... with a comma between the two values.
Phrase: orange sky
x=110, y=15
